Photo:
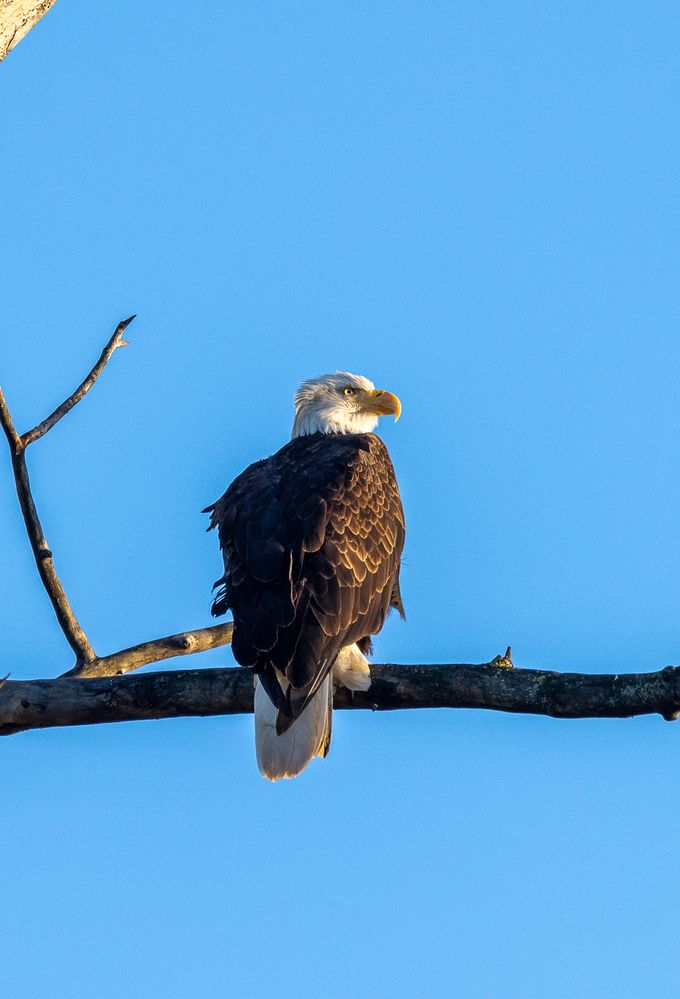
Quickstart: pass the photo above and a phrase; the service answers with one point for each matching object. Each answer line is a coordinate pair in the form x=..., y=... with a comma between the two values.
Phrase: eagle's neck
x=330, y=420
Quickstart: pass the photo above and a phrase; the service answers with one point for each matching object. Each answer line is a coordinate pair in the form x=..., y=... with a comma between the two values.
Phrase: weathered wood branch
x=88, y=663
x=170, y=694
x=17, y=17
x=183, y=644
x=42, y=554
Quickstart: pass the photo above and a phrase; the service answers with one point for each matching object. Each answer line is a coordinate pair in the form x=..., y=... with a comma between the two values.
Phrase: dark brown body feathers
x=312, y=540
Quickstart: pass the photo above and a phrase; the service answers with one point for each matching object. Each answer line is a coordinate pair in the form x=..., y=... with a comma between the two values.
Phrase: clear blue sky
x=476, y=205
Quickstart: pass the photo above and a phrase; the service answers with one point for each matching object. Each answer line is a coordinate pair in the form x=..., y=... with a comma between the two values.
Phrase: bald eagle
x=312, y=540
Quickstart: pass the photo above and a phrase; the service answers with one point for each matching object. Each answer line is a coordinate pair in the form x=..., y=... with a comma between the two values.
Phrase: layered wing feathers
x=312, y=540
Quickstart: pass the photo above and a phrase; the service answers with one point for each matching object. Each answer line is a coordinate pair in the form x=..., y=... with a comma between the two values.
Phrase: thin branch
x=114, y=343
x=184, y=644
x=12, y=436
x=170, y=694
x=41, y=551
x=68, y=622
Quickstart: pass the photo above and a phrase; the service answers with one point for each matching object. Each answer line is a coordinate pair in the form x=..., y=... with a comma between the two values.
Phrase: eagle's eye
x=349, y=391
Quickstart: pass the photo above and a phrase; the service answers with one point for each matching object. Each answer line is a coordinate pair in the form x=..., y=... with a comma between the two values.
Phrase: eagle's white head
x=341, y=404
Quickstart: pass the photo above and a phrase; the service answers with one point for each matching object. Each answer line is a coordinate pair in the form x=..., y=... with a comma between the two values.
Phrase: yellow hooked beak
x=382, y=403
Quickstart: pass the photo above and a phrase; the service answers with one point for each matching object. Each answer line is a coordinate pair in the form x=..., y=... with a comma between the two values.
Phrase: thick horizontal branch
x=170, y=694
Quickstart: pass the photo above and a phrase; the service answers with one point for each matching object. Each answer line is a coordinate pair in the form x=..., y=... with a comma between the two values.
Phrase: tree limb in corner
x=17, y=17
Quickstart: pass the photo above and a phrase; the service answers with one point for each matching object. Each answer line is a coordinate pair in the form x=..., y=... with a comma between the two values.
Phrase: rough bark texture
x=17, y=17
x=169, y=694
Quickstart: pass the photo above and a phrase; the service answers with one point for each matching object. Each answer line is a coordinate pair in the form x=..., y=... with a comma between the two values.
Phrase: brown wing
x=312, y=540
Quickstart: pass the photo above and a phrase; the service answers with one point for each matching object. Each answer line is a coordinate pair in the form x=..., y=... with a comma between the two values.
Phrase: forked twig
x=88, y=663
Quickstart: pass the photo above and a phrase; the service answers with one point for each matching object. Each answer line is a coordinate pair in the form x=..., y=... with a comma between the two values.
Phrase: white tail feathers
x=288, y=754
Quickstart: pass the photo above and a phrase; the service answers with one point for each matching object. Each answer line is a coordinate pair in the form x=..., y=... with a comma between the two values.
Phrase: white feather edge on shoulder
x=287, y=755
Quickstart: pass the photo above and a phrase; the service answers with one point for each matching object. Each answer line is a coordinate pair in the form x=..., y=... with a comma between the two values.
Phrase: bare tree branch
x=88, y=663
x=133, y=658
x=17, y=17
x=169, y=694
x=41, y=551
x=68, y=622
x=114, y=343
x=7, y=425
